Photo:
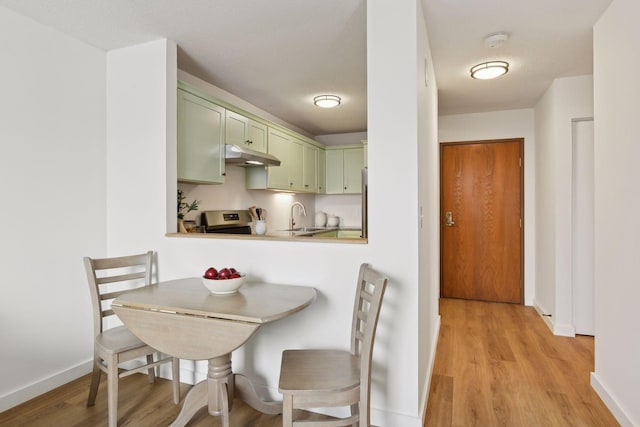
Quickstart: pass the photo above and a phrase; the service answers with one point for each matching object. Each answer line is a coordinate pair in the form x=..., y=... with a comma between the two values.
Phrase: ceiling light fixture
x=327, y=101
x=489, y=70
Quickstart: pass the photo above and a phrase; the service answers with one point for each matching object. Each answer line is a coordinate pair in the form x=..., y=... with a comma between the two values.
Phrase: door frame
x=520, y=142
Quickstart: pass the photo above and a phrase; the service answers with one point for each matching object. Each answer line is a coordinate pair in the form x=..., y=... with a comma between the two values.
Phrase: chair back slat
x=120, y=278
x=109, y=277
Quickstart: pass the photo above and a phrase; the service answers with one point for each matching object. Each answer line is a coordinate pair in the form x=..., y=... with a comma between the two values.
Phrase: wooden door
x=481, y=212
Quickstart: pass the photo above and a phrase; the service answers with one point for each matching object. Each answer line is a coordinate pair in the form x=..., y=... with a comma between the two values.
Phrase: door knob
x=449, y=219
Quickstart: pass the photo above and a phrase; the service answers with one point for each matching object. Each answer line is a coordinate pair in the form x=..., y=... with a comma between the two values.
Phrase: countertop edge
x=343, y=240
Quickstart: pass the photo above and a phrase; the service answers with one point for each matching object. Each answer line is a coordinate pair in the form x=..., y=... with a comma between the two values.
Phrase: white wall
x=501, y=125
x=52, y=177
x=566, y=99
x=617, y=207
x=140, y=132
x=428, y=210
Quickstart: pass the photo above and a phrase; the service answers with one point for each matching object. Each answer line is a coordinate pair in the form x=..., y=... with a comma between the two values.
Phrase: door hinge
x=520, y=161
x=520, y=222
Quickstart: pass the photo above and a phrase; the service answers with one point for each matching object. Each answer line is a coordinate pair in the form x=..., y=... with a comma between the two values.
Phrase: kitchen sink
x=305, y=229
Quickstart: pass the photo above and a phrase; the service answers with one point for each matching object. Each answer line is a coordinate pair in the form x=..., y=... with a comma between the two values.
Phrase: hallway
x=499, y=365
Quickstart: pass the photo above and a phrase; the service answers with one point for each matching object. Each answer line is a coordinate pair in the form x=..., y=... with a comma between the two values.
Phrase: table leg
x=221, y=385
x=196, y=399
x=245, y=391
x=216, y=393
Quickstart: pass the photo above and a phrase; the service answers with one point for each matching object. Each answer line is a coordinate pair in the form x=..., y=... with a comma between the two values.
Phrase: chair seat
x=318, y=371
x=117, y=340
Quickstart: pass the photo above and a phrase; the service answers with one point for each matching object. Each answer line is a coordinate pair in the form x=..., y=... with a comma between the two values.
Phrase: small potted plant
x=184, y=208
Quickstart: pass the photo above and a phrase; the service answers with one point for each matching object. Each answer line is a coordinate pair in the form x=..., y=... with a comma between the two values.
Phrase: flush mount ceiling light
x=327, y=101
x=489, y=70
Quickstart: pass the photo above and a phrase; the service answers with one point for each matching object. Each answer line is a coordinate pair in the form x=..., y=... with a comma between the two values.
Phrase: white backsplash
x=233, y=195
x=345, y=206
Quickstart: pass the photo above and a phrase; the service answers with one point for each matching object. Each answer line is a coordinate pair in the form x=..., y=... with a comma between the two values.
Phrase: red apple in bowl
x=224, y=274
x=211, y=273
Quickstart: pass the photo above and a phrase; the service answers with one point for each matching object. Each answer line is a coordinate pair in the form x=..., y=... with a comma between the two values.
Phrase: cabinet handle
x=248, y=141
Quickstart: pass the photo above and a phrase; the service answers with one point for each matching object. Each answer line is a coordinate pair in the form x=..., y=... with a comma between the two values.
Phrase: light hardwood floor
x=500, y=365
x=140, y=404
x=496, y=365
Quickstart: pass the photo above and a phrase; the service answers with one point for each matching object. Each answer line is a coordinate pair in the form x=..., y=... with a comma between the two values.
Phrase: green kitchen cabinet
x=344, y=170
x=298, y=168
x=243, y=131
x=322, y=171
x=201, y=132
x=310, y=168
x=287, y=176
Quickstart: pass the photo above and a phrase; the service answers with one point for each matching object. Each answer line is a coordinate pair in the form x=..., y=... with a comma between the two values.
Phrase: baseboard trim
x=16, y=397
x=564, y=330
x=544, y=315
x=610, y=401
x=432, y=358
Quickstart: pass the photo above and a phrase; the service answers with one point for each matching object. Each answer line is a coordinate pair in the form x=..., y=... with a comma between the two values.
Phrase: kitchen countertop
x=282, y=235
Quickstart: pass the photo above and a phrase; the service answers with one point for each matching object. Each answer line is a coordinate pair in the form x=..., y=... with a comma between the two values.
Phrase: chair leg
x=112, y=390
x=287, y=410
x=152, y=371
x=354, y=410
x=175, y=374
x=95, y=382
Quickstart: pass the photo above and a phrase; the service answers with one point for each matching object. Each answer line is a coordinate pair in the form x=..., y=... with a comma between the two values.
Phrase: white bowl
x=223, y=287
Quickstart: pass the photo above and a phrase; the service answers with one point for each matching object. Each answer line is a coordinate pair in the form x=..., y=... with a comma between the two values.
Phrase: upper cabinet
x=298, y=170
x=287, y=176
x=310, y=168
x=322, y=171
x=344, y=170
x=241, y=130
x=201, y=133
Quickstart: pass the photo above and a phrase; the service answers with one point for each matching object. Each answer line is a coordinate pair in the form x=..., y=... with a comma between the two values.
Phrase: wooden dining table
x=183, y=319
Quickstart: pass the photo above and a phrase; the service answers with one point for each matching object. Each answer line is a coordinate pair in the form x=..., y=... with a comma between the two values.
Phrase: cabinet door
x=200, y=140
x=335, y=171
x=296, y=165
x=279, y=145
x=257, y=136
x=353, y=164
x=237, y=128
x=310, y=168
x=322, y=171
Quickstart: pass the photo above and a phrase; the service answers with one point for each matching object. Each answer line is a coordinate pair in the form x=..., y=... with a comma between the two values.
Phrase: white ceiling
x=278, y=54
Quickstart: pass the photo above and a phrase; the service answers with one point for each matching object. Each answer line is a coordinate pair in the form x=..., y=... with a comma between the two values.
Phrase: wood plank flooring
x=500, y=365
x=141, y=404
x=496, y=365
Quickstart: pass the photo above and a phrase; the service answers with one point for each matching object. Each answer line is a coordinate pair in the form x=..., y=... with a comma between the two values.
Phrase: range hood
x=246, y=157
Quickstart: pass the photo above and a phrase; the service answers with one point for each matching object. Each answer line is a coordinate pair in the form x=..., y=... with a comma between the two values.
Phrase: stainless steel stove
x=226, y=222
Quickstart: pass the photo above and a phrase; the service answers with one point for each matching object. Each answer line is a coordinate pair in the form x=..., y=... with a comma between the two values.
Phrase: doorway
x=481, y=218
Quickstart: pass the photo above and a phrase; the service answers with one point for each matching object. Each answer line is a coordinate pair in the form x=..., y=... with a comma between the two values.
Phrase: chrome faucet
x=292, y=223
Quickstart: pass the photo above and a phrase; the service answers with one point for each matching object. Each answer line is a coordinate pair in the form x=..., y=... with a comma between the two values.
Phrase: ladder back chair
x=330, y=378
x=108, y=278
